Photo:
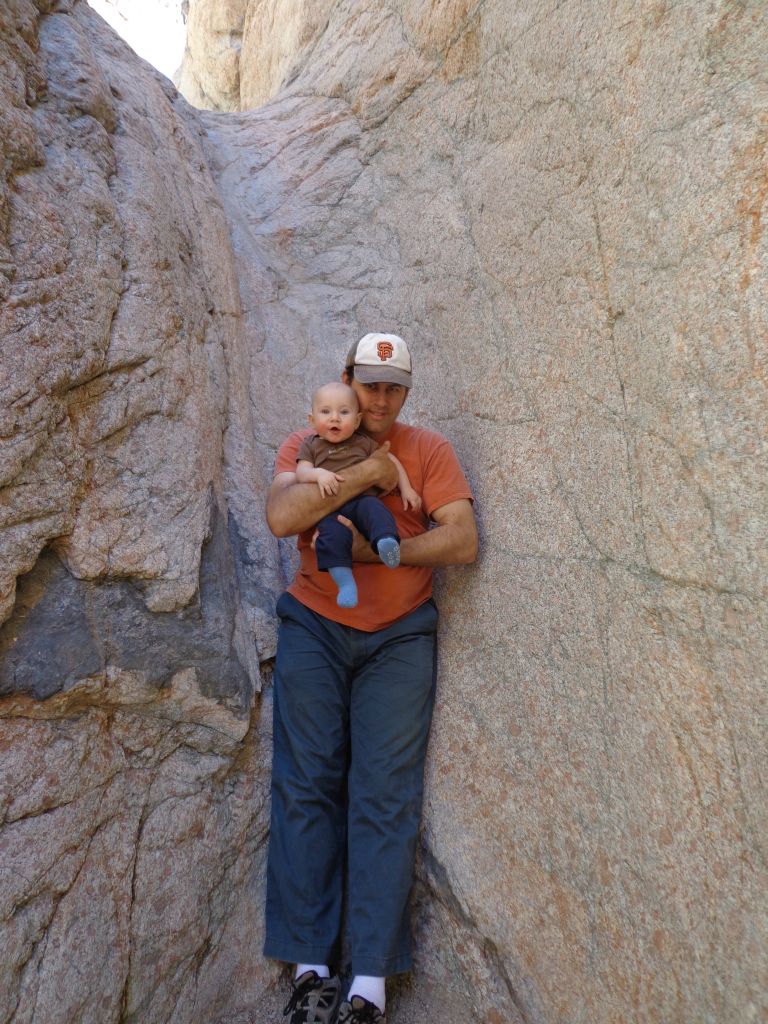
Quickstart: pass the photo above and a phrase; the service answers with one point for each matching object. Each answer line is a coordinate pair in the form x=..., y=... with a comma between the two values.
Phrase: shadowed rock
x=64, y=630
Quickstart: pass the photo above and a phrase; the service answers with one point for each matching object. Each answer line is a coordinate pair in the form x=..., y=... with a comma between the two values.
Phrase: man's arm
x=452, y=541
x=293, y=507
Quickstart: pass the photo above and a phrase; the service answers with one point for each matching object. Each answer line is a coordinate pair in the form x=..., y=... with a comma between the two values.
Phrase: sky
x=153, y=28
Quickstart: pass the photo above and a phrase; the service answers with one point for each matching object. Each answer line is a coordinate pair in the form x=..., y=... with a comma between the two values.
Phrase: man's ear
x=407, y=392
x=345, y=378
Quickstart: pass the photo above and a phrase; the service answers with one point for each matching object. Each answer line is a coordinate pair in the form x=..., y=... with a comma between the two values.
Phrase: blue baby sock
x=345, y=581
x=389, y=552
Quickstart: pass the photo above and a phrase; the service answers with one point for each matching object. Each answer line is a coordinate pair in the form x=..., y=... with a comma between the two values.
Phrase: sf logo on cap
x=385, y=349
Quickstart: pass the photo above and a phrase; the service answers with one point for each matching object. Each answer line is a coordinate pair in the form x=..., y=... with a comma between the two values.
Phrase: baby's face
x=335, y=413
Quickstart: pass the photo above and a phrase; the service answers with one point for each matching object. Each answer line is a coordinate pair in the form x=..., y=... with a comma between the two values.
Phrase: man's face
x=380, y=405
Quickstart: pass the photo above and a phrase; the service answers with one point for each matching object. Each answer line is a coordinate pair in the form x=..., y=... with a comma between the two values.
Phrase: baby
x=335, y=446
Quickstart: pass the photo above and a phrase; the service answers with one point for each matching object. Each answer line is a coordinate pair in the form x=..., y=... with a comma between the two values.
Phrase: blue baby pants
x=373, y=519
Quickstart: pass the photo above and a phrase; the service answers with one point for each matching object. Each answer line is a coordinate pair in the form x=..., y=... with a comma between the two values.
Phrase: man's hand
x=361, y=549
x=388, y=479
x=328, y=482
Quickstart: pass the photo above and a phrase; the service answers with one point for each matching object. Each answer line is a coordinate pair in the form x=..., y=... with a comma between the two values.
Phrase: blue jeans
x=352, y=713
x=334, y=542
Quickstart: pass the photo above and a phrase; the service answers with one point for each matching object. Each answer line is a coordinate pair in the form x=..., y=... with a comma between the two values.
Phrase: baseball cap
x=381, y=357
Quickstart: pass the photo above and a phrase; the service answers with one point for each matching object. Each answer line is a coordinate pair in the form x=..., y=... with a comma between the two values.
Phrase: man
x=354, y=691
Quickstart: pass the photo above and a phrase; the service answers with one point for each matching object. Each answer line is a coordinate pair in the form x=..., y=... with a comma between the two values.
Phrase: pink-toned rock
x=209, y=75
x=129, y=864
x=541, y=201
x=239, y=53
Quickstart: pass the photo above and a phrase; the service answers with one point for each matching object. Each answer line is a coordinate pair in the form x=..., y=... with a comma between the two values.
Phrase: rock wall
x=132, y=794
x=239, y=52
x=560, y=206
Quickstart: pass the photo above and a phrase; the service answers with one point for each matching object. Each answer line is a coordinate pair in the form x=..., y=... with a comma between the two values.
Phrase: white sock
x=320, y=969
x=369, y=988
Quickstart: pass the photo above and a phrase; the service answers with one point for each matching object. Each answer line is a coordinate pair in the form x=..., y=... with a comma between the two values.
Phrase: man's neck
x=386, y=435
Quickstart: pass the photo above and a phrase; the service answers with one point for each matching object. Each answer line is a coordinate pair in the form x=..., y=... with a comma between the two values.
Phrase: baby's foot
x=347, y=595
x=345, y=581
x=389, y=552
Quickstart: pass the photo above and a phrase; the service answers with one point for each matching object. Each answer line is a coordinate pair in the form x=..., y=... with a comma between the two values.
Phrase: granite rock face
x=209, y=75
x=239, y=52
x=132, y=793
x=561, y=207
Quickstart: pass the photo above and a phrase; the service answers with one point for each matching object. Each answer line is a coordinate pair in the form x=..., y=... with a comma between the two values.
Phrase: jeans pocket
x=429, y=615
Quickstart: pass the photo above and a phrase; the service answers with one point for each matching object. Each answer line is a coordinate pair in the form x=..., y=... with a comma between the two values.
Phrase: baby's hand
x=328, y=482
x=410, y=497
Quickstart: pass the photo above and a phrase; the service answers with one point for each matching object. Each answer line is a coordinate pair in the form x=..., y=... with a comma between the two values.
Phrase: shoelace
x=302, y=992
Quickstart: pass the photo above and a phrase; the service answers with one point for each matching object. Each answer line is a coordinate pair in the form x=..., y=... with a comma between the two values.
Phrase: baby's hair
x=335, y=384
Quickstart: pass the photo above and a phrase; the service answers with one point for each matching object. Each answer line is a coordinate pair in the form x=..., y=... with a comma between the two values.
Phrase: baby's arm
x=327, y=481
x=407, y=493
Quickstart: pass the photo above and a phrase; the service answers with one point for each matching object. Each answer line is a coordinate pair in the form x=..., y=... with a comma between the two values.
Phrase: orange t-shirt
x=384, y=595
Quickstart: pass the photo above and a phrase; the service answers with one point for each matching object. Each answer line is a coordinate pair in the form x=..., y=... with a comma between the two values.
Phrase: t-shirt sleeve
x=444, y=480
x=304, y=454
x=287, y=453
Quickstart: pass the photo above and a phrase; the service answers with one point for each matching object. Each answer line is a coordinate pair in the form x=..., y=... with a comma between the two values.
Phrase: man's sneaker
x=314, y=1000
x=360, y=1011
